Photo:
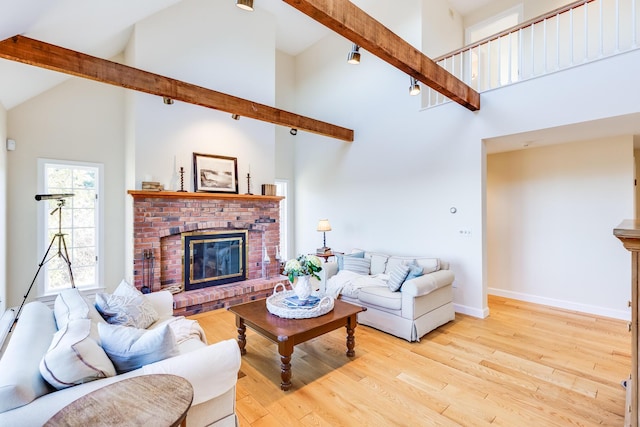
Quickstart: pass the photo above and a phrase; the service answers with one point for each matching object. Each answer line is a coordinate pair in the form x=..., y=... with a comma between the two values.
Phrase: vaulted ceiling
x=102, y=29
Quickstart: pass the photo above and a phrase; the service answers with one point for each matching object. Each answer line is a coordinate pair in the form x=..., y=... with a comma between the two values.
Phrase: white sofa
x=420, y=305
x=26, y=399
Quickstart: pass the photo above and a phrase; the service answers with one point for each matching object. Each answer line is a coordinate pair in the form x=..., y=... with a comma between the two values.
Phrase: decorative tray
x=280, y=305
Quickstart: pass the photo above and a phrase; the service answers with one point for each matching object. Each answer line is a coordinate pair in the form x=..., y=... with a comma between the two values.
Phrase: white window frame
x=282, y=189
x=43, y=212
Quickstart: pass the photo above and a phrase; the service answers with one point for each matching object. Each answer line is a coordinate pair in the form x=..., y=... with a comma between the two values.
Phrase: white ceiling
x=102, y=28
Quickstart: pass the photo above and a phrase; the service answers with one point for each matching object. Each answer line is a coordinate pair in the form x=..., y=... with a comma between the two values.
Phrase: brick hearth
x=160, y=218
x=212, y=298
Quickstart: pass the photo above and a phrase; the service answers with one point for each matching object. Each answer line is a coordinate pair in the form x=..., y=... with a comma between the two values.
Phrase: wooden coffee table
x=289, y=332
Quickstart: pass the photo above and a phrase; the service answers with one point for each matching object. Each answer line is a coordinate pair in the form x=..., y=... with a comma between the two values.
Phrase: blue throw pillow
x=341, y=258
x=414, y=271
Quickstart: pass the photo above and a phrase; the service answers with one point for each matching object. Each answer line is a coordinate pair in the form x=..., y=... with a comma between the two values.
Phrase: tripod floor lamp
x=57, y=238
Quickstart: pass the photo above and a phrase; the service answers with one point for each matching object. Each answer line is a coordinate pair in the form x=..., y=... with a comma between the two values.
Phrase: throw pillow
x=357, y=265
x=414, y=271
x=126, y=311
x=125, y=289
x=341, y=257
x=131, y=348
x=70, y=304
x=74, y=357
x=397, y=277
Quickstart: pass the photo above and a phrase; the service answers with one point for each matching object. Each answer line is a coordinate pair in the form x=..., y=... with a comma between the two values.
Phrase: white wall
x=79, y=120
x=531, y=9
x=3, y=210
x=208, y=44
x=285, y=142
x=442, y=29
x=392, y=188
x=550, y=215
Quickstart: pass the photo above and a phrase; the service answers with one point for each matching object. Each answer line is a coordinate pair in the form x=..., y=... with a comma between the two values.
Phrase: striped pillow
x=397, y=276
x=357, y=265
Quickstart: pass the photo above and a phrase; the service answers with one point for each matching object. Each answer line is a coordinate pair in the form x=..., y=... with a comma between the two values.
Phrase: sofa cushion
x=381, y=297
x=340, y=258
x=357, y=265
x=378, y=262
x=397, y=277
x=75, y=357
x=20, y=379
x=70, y=304
x=429, y=265
x=131, y=348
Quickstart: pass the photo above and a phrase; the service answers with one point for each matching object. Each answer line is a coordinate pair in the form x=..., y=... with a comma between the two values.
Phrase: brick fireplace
x=160, y=219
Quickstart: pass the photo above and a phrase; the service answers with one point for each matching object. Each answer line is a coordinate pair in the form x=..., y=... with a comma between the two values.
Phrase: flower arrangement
x=303, y=265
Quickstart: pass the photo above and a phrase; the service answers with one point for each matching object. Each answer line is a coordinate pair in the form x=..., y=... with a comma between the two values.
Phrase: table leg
x=242, y=335
x=351, y=339
x=285, y=351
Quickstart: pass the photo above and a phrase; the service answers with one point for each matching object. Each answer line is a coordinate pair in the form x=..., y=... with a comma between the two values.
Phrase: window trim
x=284, y=221
x=43, y=242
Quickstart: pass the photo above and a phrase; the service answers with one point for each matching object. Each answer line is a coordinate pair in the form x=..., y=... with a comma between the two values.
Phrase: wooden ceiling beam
x=45, y=55
x=351, y=22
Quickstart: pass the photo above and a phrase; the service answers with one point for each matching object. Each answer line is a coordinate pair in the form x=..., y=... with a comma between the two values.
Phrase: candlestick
x=249, y=184
x=182, y=190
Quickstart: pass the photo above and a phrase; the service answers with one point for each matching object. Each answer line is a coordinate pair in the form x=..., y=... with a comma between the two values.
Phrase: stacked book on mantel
x=152, y=186
x=268, y=189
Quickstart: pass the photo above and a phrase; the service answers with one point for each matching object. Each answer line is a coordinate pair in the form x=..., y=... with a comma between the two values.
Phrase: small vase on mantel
x=302, y=287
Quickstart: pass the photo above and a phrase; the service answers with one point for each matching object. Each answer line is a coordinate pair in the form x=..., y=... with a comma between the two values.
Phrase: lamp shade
x=245, y=4
x=323, y=225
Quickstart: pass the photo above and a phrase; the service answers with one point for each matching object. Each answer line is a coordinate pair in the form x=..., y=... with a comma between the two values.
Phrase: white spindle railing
x=575, y=34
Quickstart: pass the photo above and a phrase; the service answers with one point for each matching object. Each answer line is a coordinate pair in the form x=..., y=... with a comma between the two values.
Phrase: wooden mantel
x=200, y=195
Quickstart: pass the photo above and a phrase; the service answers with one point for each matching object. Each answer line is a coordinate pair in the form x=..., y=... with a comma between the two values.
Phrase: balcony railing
x=575, y=34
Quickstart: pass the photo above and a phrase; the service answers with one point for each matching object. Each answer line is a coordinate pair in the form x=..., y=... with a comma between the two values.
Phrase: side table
x=328, y=255
x=153, y=400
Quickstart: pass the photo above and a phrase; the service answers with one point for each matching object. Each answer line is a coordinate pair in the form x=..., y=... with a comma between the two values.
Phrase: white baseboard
x=567, y=305
x=471, y=311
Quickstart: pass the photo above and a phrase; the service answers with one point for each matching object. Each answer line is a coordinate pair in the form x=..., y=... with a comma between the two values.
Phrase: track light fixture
x=414, y=89
x=354, y=55
x=245, y=4
x=235, y=117
x=293, y=131
x=167, y=100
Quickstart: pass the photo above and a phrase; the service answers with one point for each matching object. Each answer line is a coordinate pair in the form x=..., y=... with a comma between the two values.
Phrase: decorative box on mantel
x=160, y=218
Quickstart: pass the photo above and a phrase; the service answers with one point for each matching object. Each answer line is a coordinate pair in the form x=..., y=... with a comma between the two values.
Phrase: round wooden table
x=152, y=400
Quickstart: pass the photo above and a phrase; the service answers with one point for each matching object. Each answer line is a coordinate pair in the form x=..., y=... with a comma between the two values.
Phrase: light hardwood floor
x=525, y=365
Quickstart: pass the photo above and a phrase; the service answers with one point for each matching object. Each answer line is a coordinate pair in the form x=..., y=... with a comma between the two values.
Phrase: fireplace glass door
x=214, y=258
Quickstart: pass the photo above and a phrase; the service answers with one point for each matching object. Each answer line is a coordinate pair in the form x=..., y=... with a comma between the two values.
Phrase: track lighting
x=235, y=117
x=293, y=131
x=354, y=55
x=167, y=100
x=414, y=89
x=245, y=4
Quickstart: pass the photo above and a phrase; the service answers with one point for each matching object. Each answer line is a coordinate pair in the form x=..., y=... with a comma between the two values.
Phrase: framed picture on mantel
x=216, y=174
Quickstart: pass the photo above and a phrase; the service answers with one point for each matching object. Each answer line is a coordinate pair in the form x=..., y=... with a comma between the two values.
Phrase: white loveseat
x=26, y=399
x=409, y=307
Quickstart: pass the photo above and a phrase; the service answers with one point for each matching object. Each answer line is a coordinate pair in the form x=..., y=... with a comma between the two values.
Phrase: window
x=282, y=189
x=74, y=222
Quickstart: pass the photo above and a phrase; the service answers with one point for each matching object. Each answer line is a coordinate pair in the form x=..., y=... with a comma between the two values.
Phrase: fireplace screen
x=214, y=258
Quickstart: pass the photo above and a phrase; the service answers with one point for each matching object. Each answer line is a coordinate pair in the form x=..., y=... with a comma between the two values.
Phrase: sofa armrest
x=427, y=283
x=211, y=370
x=329, y=269
x=162, y=302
